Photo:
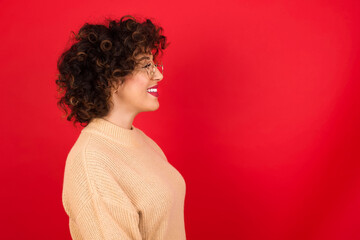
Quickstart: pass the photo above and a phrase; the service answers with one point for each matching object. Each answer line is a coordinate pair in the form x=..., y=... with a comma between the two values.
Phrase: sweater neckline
x=113, y=131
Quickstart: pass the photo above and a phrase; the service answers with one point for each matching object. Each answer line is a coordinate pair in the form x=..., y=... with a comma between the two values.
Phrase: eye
x=147, y=65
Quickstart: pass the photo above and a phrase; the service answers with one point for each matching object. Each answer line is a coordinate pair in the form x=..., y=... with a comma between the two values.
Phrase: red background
x=259, y=111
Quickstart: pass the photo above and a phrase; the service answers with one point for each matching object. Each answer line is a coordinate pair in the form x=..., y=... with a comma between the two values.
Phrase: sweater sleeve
x=98, y=206
x=103, y=220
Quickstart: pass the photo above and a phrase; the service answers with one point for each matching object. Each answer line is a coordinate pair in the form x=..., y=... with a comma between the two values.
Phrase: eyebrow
x=144, y=58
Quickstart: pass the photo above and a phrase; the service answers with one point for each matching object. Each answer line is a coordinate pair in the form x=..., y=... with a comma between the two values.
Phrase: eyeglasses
x=151, y=68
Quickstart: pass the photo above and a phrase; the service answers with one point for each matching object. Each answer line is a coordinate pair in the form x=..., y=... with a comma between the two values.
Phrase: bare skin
x=132, y=98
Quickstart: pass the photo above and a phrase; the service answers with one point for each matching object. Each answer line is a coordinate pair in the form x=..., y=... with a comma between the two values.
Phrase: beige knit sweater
x=118, y=184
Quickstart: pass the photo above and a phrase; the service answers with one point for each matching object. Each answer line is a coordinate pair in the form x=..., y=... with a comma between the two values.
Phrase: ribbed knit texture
x=118, y=184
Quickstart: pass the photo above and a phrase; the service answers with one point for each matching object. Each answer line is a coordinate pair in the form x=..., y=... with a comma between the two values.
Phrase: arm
x=95, y=200
x=103, y=220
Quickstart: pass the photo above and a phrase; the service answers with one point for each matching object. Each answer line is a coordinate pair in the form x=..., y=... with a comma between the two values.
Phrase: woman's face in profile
x=133, y=94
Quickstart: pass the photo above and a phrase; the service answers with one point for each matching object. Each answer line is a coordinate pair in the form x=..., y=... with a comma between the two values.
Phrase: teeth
x=152, y=90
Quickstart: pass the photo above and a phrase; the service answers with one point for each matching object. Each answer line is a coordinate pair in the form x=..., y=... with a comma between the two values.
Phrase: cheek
x=138, y=86
x=142, y=86
x=137, y=92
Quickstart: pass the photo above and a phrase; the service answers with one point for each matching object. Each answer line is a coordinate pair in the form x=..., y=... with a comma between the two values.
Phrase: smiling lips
x=153, y=91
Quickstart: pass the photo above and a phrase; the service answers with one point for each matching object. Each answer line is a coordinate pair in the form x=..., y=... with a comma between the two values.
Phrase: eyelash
x=147, y=65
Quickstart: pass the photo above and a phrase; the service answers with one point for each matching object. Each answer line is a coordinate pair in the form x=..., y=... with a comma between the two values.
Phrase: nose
x=158, y=75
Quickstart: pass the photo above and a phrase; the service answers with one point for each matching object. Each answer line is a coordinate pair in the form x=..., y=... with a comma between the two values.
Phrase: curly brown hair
x=99, y=58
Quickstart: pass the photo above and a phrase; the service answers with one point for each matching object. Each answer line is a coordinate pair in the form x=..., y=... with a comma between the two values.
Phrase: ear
x=118, y=85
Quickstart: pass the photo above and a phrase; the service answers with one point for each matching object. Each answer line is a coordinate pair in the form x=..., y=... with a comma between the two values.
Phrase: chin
x=154, y=107
x=157, y=107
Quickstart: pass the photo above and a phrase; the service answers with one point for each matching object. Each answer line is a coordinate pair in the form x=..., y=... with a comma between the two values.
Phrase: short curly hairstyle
x=99, y=58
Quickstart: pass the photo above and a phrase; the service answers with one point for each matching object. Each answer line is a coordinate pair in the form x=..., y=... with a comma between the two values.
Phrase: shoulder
x=85, y=147
x=89, y=162
x=89, y=171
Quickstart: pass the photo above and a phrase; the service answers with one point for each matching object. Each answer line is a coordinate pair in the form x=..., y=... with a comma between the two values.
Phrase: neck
x=120, y=119
x=125, y=136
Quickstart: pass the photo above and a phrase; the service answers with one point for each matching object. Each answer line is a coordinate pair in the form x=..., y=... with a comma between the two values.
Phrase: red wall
x=259, y=111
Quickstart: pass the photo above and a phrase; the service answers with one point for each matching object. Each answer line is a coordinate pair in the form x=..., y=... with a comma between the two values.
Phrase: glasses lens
x=160, y=67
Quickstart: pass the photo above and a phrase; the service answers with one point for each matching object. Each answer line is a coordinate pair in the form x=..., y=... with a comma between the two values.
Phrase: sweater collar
x=114, y=132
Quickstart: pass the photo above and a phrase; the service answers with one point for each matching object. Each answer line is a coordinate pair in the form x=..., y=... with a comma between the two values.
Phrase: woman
x=118, y=183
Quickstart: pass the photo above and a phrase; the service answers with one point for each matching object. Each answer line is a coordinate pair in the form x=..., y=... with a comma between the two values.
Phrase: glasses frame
x=151, y=72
